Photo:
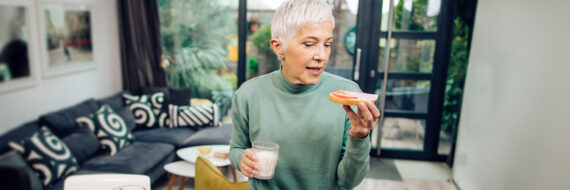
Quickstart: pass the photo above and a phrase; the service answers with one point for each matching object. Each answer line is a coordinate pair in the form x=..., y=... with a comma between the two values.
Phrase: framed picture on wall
x=66, y=33
x=18, y=45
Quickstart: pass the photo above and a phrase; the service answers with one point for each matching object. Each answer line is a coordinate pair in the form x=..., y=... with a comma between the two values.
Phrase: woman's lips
x=315, y=71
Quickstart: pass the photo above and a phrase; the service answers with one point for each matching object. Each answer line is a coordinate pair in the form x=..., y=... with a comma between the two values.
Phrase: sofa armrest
x=16, y=174
x=14, y=177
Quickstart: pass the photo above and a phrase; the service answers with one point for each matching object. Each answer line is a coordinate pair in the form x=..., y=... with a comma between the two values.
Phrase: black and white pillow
x=194, y=116
x=109, y=127
x=148, y=110
x=47, y=155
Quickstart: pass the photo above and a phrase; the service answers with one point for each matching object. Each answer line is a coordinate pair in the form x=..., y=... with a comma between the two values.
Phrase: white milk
x=267, y=161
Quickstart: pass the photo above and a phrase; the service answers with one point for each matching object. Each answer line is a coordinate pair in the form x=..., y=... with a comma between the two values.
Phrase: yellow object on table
x=204, y=150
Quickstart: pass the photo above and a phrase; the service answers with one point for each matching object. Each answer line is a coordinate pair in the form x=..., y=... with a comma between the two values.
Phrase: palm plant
x=194, y=35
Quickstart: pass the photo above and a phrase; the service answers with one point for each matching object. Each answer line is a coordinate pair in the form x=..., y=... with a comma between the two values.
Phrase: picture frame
x=66, y=37
x=19, y=45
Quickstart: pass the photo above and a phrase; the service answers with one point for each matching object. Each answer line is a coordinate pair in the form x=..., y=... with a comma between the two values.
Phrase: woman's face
x=308, y=53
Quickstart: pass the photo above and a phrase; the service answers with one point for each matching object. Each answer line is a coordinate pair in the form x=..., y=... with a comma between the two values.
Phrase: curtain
x=141, y=46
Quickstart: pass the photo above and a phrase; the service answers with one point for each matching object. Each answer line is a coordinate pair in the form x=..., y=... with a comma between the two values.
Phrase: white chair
x=107, y=182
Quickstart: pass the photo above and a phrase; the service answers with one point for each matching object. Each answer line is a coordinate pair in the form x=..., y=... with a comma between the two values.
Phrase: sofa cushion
x=210, y=135
x=12, y=160
x=128, y=117
x=179, y=96
x=62, y=122
x=176, y=96
x=194, y=116
x=82, y=144
x=47, y=155
x=175, y=137
x=115, y=101
x=14, y=178
x=154, y=90
x=148, y=110
x=17, y=134
x=138, y=158
x=110, y=129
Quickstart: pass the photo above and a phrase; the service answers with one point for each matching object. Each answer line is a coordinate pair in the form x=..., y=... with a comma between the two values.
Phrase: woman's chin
x=312, y=80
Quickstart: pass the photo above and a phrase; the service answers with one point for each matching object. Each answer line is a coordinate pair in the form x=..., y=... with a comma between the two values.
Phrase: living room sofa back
x=147, y=154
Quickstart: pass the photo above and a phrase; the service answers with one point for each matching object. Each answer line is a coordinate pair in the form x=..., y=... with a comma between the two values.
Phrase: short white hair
x=293, y=15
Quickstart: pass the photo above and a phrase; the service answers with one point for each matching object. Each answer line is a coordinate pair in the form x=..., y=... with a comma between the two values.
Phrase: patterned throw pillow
x=47, y=155
x=109, y=127
x=148, y=110
x=194, y=116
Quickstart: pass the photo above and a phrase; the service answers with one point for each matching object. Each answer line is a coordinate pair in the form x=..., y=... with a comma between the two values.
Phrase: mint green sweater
x=315, y=150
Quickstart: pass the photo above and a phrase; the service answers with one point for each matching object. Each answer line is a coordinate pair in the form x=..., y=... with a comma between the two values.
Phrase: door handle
x=357, y=67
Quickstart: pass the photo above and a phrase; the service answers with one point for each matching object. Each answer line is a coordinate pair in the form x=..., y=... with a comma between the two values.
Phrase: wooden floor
x=416, y=175
x=406, y=184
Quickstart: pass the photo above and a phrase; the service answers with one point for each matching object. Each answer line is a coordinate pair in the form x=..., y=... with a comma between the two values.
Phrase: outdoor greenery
x=194, y=35
x=455, y=76
x=261, y=39
x=459, y=57
x=416, y=19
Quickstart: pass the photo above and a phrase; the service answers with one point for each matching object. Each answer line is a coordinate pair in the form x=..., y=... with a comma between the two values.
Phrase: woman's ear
x=277, y=48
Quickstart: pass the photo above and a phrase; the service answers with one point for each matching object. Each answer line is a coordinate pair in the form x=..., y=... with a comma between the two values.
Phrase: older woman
x=322, y=145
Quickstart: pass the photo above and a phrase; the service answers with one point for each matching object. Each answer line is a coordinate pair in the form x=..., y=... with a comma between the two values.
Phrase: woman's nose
x=320, y=53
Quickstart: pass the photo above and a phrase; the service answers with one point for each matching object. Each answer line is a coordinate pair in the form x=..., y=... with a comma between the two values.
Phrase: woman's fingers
x=374, y=110
x=364, y=113
x=351, y=115
x=248, y=163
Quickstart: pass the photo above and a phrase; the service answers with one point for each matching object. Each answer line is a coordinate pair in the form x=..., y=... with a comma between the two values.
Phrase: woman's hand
x=363, y=122
x=248, y=164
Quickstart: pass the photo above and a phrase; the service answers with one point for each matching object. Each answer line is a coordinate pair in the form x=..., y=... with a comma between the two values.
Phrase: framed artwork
x=66, y=37
x=18, y=45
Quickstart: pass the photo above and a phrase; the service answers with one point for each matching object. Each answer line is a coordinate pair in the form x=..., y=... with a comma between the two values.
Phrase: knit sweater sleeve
x=355, y=159
x=240, y=131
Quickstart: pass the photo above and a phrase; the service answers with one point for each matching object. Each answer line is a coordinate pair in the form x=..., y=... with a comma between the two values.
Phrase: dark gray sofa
x=150, y=151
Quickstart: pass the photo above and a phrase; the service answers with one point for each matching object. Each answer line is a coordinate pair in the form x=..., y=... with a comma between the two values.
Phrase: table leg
x=182, y=182
x=234, y=173
x=172, y=177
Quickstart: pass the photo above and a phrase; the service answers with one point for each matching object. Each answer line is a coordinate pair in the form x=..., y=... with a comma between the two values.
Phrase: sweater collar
x=282, y=83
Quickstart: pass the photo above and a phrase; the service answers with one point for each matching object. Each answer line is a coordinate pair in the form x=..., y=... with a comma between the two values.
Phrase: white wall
x=53, y=93
x=514, y=131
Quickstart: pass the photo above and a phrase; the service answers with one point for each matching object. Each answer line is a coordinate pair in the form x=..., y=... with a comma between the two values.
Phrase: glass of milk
x=266, y=155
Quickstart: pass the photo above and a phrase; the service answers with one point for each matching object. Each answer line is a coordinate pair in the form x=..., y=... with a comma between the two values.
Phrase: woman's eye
x=309, y=44
x=328, y=44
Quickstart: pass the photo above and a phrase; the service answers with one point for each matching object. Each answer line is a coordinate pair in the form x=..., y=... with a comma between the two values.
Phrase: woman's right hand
x=248, y=164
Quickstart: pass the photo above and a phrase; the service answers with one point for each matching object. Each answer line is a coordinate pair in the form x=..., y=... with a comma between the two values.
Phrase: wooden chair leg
x=182, y=182
x=234, y=173
x=171, y=182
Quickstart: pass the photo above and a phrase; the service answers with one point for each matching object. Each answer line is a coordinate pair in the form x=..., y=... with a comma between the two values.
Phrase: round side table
x=183, y=169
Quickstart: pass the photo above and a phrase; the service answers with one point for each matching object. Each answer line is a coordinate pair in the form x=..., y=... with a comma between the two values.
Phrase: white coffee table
x=183, y=169
x=190, y=154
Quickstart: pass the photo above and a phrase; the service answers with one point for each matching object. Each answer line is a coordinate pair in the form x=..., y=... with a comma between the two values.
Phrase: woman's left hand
x=362, y=123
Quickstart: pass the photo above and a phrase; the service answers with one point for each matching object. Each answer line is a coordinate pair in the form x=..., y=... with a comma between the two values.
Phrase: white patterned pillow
x=47, y=155
x=109, y=127
x=194, y=116
x=148, y=110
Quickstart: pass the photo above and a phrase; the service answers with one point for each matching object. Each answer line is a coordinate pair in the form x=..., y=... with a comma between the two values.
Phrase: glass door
x=416, y=46
x=419, y=44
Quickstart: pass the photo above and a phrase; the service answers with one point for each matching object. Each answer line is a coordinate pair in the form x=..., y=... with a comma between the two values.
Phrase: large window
x=200, y=42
